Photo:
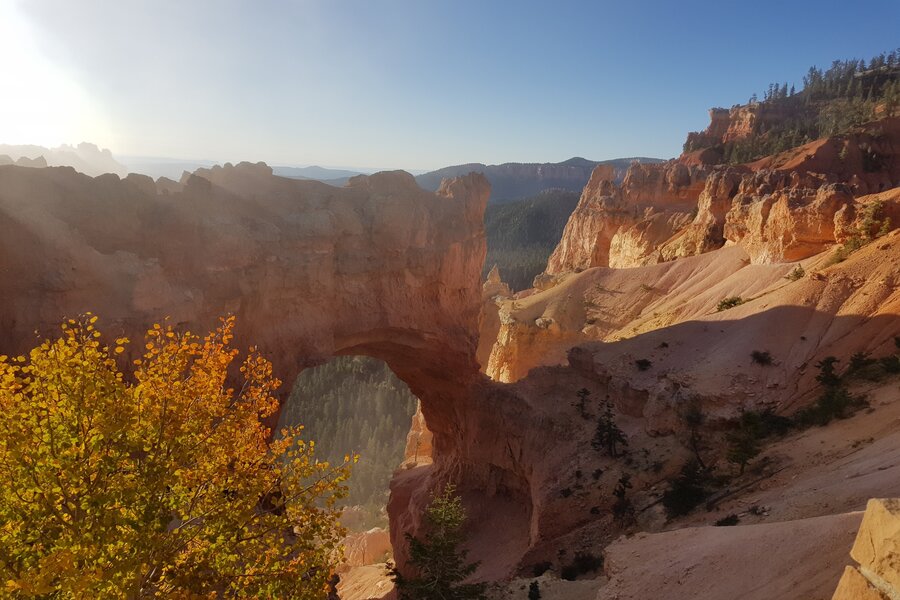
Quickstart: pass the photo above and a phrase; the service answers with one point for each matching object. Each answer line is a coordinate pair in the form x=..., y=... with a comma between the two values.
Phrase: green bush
x=728, y=521
x=743, y=446
x=608, y=436
x=686, y=491
x=643, y=364
x=584, y=562
x=835, y=403
x=796, y=273
x=765, y=424
x=890, y=364
x=828, y=376
x=859, y=361
x=540, y=568
x=731, y=302
x=761, y=357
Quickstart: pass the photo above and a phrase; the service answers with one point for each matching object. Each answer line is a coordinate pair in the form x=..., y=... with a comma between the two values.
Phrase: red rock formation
x=419, y=442
x=493, y=291
x=648, y=241
x=791, y=208
x=588, y=234
x=367, y=547
x=776, y=207
x=666, y=314
x=610, y=304
x=867, y=159
x=778, y=219
x=706, y=231
x=739, y=122
x=380, y=267
x=719, y=123
x=655, y=200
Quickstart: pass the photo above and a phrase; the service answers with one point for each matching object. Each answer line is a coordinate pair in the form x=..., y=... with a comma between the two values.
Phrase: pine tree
x=743, y=446
x=827, y=373
x=583, y=394
x=622, y=508
x=608, y=435
x=687, y=490
x=438, y=562
x=693, y=417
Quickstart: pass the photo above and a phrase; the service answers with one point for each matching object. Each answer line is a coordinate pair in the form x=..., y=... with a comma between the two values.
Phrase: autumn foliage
x=158, y=484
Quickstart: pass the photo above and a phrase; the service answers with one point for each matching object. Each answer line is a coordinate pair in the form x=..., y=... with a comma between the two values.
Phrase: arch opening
x=355, y=404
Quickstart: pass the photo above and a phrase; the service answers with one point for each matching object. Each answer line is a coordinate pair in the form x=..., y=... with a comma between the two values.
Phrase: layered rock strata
x=781, y=208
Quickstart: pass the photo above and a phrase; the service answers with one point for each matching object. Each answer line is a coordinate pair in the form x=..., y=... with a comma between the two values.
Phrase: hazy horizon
x=365, y=86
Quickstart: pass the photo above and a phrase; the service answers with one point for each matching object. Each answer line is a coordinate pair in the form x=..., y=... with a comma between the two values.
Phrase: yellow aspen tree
x=159, y=483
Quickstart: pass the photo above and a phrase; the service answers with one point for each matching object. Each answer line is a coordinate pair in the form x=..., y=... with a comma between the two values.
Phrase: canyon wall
x=662, y=347
x=613, y=305
x=780, y=208
x=380, y=267
x=512, y=181
x=621, y=225
x=738, y=123
x=309, y=270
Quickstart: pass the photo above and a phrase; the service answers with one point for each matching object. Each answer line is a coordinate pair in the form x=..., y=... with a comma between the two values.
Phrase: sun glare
x=39, y=102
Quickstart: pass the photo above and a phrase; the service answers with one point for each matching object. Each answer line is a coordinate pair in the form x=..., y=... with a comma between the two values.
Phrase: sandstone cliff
x=665, y=314
x=738, y=123
x=780, y=208
x=366, y=547
x=608, y=304
x=877, y=550
x=381, y=268
x=623, y=225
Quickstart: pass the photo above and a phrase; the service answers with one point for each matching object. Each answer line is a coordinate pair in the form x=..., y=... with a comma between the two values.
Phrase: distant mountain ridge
x=514, y=181
x=85, y=157
x=172, y=168
x=314, y=172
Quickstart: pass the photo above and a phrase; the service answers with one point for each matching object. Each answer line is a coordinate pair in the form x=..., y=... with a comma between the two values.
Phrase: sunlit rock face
x=877, y=550
x=624, y=225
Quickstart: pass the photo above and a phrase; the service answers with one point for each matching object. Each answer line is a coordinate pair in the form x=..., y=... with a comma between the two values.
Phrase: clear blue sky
x=413, y=84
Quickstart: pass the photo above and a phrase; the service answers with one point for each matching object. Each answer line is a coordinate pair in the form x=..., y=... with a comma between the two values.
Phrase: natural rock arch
x=379, y=267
